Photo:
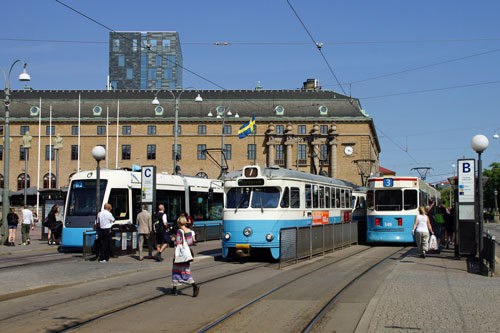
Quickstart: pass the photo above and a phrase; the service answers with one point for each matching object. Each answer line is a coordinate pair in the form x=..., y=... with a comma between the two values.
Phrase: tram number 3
x=388, y=182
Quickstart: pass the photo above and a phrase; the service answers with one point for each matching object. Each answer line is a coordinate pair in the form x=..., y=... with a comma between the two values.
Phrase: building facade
x=145, y=60
x=312, y=131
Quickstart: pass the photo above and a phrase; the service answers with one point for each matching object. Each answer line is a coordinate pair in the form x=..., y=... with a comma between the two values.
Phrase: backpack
x=158, y=226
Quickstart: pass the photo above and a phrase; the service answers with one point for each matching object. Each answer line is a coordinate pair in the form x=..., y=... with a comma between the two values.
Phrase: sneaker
x=103, y=260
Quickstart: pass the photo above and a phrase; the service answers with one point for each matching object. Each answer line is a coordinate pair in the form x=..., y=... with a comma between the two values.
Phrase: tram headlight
x=269, y=237
x=227, y=235
x=247, y=231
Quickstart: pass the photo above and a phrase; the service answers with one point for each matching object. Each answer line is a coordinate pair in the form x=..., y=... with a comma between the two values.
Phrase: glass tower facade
x=145, y=60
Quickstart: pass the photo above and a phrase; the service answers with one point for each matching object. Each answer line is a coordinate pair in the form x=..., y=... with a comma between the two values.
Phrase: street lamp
x=99, y=153
x=176, y=130
x=5, y=195
x=496, y=136
x=451, y=200
x=222, y=112
x=479, y=143
x=495, y=192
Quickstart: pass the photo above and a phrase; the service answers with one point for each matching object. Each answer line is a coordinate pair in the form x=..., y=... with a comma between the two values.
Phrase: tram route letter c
x=147, y=173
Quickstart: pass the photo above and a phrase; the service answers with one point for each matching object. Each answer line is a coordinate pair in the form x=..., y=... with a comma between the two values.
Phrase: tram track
x=317, y=318
x=53, y=258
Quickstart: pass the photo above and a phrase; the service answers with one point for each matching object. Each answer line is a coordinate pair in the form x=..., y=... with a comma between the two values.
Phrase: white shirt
x=27, y=216
x=106, y=219
x=422, y=224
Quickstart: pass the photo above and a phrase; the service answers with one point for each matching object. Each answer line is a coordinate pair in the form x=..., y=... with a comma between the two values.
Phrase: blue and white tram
x=260, y=201
x=392, y=204
x=201, y=198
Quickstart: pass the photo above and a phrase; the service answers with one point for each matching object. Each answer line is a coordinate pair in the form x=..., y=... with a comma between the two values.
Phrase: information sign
x=466, y=180
x=148, y=184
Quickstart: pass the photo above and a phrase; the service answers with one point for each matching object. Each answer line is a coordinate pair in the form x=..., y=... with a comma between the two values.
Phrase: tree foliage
x=493, y=183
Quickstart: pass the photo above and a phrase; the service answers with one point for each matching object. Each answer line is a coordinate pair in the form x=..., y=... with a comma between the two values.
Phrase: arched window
x=20, y=181
x=52, y=178
x=1, y=180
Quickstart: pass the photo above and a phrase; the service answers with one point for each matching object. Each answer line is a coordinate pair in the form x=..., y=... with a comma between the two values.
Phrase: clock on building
x=348, y=150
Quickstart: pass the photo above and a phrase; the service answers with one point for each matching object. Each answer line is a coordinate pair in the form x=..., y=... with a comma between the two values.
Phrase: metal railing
x=208, y=231
x=298, y=243
x=489, y=250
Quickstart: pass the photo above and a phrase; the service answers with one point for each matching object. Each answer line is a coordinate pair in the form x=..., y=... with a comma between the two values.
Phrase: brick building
x=310, y=130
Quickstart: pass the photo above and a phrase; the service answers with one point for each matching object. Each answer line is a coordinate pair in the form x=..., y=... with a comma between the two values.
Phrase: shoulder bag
x=182, y=251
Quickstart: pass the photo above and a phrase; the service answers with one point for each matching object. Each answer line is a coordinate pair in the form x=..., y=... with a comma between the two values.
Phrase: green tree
x=493, y=184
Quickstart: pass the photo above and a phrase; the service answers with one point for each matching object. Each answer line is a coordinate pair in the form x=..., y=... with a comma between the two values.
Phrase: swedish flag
x=247, y=128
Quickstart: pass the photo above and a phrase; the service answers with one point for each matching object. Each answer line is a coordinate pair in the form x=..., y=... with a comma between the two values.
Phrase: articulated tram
x=392, y=204
x=201, y=198
x=260, y=201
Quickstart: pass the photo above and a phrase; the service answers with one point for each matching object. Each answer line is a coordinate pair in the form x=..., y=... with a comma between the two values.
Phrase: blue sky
x=363, y=39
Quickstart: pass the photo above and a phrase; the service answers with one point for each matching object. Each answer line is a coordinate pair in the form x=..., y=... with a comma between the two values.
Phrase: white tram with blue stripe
x=392, y=204
x=260, y=201
x=199, y=197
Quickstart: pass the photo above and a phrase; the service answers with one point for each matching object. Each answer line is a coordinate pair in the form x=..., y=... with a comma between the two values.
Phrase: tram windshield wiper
x=239, y=204
x=261, y=208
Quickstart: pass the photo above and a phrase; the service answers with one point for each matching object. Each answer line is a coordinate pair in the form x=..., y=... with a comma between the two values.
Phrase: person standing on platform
x=12, y=223
x=145, y=224
x=26, y=224
x=422, y=226
x=105, y=220
x=162, y=232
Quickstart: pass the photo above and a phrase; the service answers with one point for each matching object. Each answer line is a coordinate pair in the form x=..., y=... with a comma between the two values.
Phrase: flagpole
x=50, y=147
x=39, y=144
x=79, y=115
x=255, y=145
x=107, y=135
x=117, y=132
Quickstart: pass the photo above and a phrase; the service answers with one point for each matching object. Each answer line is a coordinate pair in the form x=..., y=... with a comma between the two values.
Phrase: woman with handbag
x=422, y=226
x=181, y=267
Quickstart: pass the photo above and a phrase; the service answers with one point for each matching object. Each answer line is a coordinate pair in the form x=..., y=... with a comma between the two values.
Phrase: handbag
x=433, y=244
x=182, y=251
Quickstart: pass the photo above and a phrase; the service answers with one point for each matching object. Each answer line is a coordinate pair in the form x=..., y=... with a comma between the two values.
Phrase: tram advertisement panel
x=320, y=217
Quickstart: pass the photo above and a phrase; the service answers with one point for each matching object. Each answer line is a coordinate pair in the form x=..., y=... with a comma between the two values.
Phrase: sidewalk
x=435, y=294
x=37, y=245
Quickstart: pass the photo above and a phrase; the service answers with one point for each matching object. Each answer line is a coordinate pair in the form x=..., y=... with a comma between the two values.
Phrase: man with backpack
x=161, y=229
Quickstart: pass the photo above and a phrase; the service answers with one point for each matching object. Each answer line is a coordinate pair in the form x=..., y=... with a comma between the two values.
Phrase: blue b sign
x=388, y=182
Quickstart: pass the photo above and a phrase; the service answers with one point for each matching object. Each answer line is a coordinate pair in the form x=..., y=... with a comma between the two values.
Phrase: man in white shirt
x=106, y=220
x=27, y=223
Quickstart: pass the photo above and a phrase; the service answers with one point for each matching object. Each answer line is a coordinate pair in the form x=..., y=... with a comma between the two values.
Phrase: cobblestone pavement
x=435, y=294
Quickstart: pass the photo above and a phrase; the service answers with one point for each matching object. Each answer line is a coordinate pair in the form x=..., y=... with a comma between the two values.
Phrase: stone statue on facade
x=27, y=140
x=58, y=141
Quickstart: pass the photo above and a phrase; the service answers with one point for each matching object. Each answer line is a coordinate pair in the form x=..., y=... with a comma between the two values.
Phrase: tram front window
x=265, y=197
x=388, y=200
x=238, y=197
x=82, y=197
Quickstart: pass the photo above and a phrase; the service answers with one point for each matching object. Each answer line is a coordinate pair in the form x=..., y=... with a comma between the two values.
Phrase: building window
x=151, y=152
x=20, y=182
x=24, y=129
x=227, y=151
x=168, y=74
x=126, y=130
x=323, y=154
x=323, y=129
x=121, y=60
x=251, y=151
x=202, y=154
x=1, y=180
x=159, y=60
x=116, y=45
x=1, y=153
x=153, y=43
x=74, y=152
x=49, y=152
x=171, y=60
x=130, y=73
x=114, y=85
x=152, y=129
x=280, y=129
x=101, y=130
x=302, y=152
x=179, y=152
x=226, y=129
x=1, y=130
x=280, y=157
x=152, y=74
x=302, y=129
x=202, y=129
x=49, y=178
x=134, y=45
x=158, y=84
x=74, y=130
x=166, y=44
x=179, y=130
x=125, y=152
x=50, y=130
x=22, y=153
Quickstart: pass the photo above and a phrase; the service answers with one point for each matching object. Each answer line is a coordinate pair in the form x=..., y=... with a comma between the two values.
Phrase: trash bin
x=117, y=242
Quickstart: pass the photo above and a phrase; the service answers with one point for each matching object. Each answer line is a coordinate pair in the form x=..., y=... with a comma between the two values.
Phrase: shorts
x=13, y=227
x=163, y=238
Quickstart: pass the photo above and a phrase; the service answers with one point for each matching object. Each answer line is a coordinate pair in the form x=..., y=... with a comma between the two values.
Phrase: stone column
x=332, y=151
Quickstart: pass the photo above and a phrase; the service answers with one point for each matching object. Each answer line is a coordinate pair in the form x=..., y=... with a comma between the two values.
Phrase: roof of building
x=385, y=171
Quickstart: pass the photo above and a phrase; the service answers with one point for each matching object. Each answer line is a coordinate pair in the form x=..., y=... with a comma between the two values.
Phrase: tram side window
x=315, y=196
x=321, y=197
x=285, y=200
x=342, y=198
x=333, y=198
x=308, y=196
x=327, y=197
x=173, y=202
x=361, y=203
x=347, y=199
x=118, y=198
x=337, y=198
x=295, y=197
x=198, y=205
x=369, y=200
x=410, y=199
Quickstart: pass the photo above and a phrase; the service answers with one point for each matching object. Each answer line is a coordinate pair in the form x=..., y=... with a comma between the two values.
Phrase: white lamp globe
x=479, y=143
x=99, y=153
